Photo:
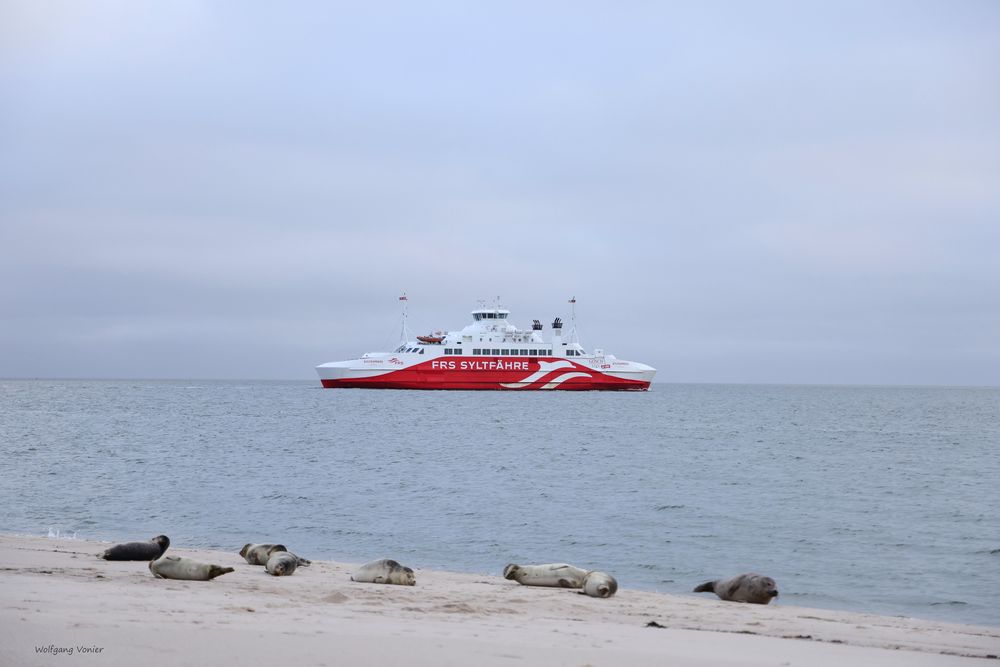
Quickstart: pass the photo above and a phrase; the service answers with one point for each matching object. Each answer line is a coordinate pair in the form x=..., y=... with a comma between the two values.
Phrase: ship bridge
x=490, y=314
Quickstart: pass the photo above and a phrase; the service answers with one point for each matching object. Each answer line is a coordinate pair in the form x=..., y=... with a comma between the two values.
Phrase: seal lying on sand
x=175, y=567
x=560, y=575
x=281, y=563
x=384, y=571
x=138, y=550
x=258, y=554
x=747, y=587
x=599, y=585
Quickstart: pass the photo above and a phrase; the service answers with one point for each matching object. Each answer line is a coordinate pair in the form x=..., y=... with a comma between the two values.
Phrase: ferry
x=489, y=353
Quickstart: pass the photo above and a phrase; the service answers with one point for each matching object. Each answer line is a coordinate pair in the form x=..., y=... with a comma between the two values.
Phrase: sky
x=766, y=192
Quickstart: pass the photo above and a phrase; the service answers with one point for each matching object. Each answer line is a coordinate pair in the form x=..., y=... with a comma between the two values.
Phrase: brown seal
x=748, y=587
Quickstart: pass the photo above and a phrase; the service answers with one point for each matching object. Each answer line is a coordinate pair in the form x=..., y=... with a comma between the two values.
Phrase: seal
x=281, y=563
x=560, y=575
x=175, y=567
x=138, y=550
x=748, y=587
x=599, y=585
x=258, y=554
x=385, y=571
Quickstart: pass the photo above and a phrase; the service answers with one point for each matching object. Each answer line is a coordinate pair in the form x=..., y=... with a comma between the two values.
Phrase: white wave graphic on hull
x=562, y=378
x=545, y=367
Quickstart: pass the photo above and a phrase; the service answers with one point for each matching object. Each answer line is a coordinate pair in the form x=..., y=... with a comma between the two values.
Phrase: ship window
x=421, y=351
x=447, y=350
x=524, y=352
x=533, y=353
x=504, y=352
x=570, y=353
x=496, y=351
x=502, y=316
x=475, y=350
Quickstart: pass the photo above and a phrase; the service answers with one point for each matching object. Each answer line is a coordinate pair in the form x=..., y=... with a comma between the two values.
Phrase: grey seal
x=176, y=567
x=561, y=575
x=258, y=554
x=599, y=585
x=281, y=563
x=384, y=571
x=748, y=587
x=150, y=550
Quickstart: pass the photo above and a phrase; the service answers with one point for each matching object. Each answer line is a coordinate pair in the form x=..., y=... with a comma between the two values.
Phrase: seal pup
x=385, y=571
x=258, y=554
x=176, y=567
x=150, y=550
x=561, y=575
x=599, y=585
x=281, y=563
x=748, y=587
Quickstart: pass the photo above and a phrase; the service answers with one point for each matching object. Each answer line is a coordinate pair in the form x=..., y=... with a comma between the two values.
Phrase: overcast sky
x=801, y=192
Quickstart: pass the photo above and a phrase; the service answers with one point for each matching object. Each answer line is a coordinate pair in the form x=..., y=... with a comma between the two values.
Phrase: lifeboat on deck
x=431, y=340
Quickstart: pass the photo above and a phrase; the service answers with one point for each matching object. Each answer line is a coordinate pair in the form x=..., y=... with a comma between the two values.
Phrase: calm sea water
x=878, y=499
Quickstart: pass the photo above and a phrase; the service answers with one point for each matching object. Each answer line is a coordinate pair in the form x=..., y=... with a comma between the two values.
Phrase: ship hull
x=476, y=373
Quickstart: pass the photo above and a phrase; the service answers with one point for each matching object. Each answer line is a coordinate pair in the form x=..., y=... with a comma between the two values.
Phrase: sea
x=871, y=499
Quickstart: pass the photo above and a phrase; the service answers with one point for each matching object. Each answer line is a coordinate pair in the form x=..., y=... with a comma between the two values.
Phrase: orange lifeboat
x=432, y=340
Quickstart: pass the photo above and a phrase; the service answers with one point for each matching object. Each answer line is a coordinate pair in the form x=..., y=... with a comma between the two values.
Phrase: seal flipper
x=217, y=571
x=707, y=587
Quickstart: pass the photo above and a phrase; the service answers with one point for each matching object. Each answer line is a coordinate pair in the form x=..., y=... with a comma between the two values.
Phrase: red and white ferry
x=489, y=353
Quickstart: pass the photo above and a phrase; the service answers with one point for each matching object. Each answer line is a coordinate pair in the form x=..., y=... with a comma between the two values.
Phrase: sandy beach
x=63, y=605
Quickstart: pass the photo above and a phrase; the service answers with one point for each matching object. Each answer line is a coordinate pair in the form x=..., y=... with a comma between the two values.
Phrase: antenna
x=404, y=334
x=572, y=329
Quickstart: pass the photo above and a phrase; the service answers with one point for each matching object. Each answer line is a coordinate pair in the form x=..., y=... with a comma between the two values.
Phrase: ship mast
x=572, y=337
x=405, y=333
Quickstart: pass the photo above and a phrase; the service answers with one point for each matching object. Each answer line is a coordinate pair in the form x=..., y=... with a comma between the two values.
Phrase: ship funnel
x=536, y=325
x=557, y=324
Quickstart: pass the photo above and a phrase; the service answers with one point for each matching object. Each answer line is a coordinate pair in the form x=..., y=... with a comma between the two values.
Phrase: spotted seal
x=748, y=587
x=384, y=571
x=599, y=585
x=258, y=554
x=281, y=563
x=561, y=575
x=150, y=550
x=176, y=567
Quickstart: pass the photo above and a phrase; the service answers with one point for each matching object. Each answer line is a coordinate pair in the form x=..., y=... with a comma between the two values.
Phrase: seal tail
x=707, y=587
x=217, y=571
